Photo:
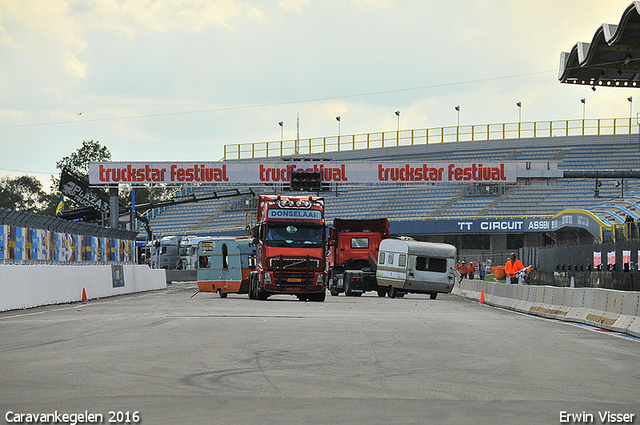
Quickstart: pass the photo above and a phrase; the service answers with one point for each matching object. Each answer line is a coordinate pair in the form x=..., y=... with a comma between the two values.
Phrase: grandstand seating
x=406, y=202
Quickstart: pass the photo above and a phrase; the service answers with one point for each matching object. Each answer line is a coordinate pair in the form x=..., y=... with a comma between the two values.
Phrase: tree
x=22, y=193
x=25, y=193
x=79, y=160
x=93, y=151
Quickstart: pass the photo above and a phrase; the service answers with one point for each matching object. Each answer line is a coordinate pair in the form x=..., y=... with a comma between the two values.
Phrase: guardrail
x=503, y=131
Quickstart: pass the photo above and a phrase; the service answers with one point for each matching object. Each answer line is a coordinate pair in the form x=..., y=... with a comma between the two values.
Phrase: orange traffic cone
x=84, y=296
x=482, y=296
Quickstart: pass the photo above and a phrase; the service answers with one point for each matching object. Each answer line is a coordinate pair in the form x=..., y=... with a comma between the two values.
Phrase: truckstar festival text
x=104, y=173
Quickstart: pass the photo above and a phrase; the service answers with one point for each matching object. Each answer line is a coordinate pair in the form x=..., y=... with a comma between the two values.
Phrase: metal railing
x=463, y=133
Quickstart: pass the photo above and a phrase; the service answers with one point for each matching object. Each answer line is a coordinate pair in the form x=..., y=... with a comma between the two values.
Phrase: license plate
x=294, y=279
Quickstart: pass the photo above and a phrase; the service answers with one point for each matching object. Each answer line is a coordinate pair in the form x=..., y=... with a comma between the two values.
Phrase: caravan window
x=381, y=258
x=225, y=256
x=402, y=260
x=430, y=264
x=390, y=258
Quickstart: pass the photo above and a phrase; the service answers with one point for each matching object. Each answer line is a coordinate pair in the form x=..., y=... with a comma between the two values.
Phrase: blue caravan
x=224, y=265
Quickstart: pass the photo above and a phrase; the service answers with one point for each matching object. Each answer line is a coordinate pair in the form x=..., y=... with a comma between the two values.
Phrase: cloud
x=4, y=38
x=76, y=68
x=169, y=78
x=132, y=17
x=295, y=5
x=371, y=4
x=67, y=23
x=255, y=14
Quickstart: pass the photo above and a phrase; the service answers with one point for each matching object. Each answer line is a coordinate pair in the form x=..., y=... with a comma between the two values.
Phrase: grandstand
x=407, y=206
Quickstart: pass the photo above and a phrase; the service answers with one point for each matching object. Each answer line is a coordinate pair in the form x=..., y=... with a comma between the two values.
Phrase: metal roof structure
x=612, y=59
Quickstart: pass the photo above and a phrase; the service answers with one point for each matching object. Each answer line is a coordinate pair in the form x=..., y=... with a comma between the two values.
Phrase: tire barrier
x=604, y=308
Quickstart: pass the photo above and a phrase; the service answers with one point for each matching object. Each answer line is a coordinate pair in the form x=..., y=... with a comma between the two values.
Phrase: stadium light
x=398, y=115
x=281, y=124
x=457, y=108
x=584, y=106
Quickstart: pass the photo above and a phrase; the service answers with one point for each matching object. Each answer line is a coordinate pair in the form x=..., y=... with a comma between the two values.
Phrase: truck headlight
x=320, y=279
x=267, y=278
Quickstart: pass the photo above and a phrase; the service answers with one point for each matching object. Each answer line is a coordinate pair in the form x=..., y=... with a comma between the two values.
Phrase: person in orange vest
x=472, y=270
x=464, y=269
x=513, y=265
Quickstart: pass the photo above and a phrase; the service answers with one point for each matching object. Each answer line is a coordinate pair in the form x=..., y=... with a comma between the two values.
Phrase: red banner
x=103, y=173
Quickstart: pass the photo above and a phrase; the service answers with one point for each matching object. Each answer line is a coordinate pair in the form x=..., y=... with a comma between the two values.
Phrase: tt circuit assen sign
x=104, y=173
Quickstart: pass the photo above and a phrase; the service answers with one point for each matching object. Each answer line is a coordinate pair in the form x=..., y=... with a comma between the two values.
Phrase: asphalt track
x=175, y=358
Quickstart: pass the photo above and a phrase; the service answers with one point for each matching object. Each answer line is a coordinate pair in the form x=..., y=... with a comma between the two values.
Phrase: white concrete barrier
x=26, y=286
x=605, y=308
x=629, y=313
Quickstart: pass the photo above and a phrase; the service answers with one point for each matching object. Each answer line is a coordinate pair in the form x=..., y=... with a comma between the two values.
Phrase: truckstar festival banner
x=104, y=173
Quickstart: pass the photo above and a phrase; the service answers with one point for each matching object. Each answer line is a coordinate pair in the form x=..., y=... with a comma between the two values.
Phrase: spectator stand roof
x=612, y=59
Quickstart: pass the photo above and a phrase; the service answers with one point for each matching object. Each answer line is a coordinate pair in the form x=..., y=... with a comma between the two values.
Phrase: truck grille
x=292, y=264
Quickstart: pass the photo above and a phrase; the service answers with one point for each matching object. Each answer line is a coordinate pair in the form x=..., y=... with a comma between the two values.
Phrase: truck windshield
x=283, y=234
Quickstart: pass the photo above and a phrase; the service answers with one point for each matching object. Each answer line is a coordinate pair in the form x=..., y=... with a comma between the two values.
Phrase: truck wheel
x=261, y=295
x=346, y=284
x=433, y=295
x=393, y=292
x=381, y=291
x=252, y=285
x=222, y=294
x=332, y=287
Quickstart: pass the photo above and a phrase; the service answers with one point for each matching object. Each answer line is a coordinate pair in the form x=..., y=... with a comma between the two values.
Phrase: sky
x=169, y=80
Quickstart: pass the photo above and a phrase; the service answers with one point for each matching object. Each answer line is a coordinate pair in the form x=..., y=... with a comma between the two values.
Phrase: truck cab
x=290, y=248
x=353, y=253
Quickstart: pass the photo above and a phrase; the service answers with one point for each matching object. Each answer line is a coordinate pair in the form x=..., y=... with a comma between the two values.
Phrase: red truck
x=353, y=255
x=290, y=248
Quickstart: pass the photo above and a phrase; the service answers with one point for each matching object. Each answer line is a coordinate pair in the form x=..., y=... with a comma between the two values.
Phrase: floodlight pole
x=114, y=212
x=519, y=105
x=630, y=99
x=584, y=109
x=398, y=133
x=298, y=132
x=338, y=119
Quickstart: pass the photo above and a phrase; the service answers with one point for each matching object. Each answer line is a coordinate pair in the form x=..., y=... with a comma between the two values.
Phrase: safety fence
x=27, y=238
x=479, y=132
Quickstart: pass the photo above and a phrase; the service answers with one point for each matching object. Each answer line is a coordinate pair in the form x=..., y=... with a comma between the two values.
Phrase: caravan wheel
x=393, y=292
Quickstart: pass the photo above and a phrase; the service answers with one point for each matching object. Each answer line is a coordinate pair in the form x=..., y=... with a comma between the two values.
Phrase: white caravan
x=411, y=266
